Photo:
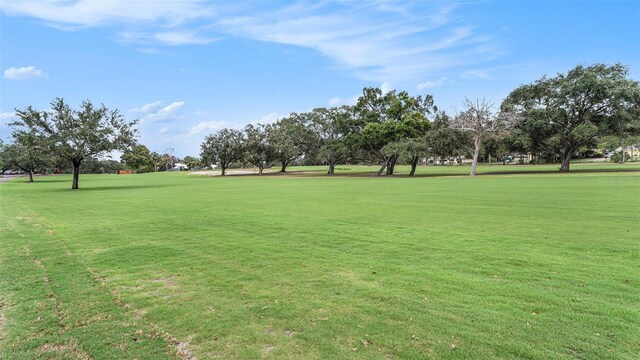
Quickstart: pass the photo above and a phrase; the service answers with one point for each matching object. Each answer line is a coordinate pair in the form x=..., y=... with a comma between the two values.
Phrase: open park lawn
x=528, y=264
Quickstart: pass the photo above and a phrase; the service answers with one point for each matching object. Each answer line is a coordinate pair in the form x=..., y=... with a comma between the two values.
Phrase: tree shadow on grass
x=37, y=179
x=521, y=172
x=117, y=187
x=99, y=188
x=338, y=174
x=48, y=179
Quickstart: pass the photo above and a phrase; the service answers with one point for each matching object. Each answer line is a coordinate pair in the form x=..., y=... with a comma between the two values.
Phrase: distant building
x=179, y=167
x=631, y=151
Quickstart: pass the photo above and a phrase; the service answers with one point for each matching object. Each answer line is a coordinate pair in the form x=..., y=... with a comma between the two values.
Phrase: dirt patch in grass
x=183, y=350
x=166, y=281
x=38, y=264
x=96, y=276
x=179, y=348
x=2, y=320
x=69, y=349
x=27, y=252
x=138, y=314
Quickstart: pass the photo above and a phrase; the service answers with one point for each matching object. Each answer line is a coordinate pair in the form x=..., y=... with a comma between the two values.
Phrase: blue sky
x=187, y=68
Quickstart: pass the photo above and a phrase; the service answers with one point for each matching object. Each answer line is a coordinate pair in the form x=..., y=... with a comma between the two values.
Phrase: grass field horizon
x=524, y=262
x=357, y=170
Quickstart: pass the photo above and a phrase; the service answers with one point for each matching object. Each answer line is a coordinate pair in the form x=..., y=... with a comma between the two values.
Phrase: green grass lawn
x=528, y=264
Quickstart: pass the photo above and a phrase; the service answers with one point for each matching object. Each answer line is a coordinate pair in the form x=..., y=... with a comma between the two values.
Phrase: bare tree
x=478, y=119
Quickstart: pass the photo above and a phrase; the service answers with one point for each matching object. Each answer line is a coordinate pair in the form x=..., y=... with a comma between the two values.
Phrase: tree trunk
x=476, y=151
x=223, y=170
x=283, y=167
x=76, y=175
x=30, y=176
x=489, y=159
x=566, y=161
x=414, y=164
x=392, y=164
x=260, y=169
x=332, y=168
x=384, y=165
x=624, y=154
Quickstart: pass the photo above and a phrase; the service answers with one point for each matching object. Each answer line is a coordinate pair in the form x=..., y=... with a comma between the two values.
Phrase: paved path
x=4, y=178
x=229, y=172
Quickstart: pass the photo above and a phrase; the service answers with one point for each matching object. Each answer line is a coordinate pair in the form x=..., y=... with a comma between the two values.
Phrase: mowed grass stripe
x=532, y=266
x=55, y=307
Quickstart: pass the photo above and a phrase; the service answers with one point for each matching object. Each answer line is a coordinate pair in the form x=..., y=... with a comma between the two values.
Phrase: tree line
x=552, y=119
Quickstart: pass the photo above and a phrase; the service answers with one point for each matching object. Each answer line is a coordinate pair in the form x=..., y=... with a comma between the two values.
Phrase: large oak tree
x=224, y=148
x=77, y=134
x=577, y=108
x=385, y=118
x=258, y=150
x=138, y=158
x=329, y=127
x=291, y=138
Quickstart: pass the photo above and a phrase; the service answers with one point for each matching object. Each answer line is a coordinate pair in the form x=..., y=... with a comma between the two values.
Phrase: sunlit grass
x=536, y=265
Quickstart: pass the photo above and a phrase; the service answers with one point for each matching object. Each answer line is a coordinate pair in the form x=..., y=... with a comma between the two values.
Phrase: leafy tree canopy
x=571, y=110
x=76, y=134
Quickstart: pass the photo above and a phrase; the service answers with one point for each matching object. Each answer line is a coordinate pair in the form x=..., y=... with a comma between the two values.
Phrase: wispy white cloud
x=475, y=74
x=7, y=115
x=269, y=118
x=387, y=42
x=431, y=84
x=503, y=71
x=150, y=50
x=381, y=41
x=6, y=118
x=167, y=113
x=386, y=87
x=182, y=38
x=164, y=22
x=205, y=126
x=338, y=101
x=156, y=112
x=23, y=73
x=172, y=38
x=146, y=108
x=186, y=138
x=193, y=136
x=91, y=13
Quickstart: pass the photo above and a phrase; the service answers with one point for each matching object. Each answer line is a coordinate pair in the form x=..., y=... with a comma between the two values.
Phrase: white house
x=179, y=167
